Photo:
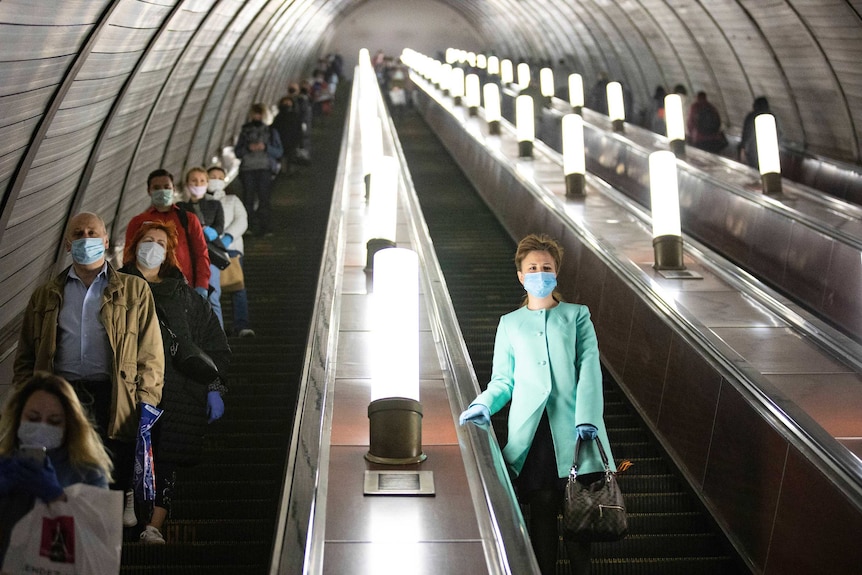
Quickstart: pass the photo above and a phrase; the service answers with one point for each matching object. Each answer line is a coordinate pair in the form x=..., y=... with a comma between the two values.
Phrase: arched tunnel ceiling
x=96, y=93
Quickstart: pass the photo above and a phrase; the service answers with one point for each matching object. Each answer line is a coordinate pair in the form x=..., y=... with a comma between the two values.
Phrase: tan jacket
x=129, y=316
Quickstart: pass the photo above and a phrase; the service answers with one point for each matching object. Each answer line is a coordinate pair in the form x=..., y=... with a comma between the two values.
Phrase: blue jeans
x=215, y=294
x=240, y=302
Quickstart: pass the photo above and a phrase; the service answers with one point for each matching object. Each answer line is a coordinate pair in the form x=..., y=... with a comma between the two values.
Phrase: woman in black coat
x=188, y=404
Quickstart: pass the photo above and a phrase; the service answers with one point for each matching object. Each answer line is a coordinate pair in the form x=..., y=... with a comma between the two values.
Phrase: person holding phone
x=47, y=443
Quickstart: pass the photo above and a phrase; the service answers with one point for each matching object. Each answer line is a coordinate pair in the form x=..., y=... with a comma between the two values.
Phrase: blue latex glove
x=477, y=414
x=587, y=431
x=38, y=479
x=226, y=240
x=210, y=233
x=215, y=406
x=202, y=292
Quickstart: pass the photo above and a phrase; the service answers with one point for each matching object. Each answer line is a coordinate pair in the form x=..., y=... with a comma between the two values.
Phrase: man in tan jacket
x=97, y=328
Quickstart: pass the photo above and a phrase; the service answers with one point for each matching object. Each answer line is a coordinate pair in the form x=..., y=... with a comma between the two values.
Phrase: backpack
x=708, y=121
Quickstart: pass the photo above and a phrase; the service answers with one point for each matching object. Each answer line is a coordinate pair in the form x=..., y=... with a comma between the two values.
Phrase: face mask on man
x=197, y=192
x=215, y=186
x=39, y=433
x=540, y=284
x=150, y=254
x=162, y=198
x=86, y=251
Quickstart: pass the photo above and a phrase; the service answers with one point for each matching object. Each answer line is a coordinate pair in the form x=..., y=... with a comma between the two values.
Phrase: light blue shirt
x=83, y=348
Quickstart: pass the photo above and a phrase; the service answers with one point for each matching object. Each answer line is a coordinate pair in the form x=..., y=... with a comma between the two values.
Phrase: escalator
x=224, y=510
x=670, y=531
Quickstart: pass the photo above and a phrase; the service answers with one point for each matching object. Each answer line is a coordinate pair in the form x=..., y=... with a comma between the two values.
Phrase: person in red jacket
x=191, y=253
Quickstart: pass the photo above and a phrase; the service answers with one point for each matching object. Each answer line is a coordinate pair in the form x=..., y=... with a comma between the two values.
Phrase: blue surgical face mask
x=162, y=198
x=38, y=433
x=540, y=284
x=150, y=254
x=86, y=251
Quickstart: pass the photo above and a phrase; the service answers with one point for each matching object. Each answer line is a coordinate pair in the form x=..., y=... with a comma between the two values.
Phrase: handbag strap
x=574, y=471
x=175, y=344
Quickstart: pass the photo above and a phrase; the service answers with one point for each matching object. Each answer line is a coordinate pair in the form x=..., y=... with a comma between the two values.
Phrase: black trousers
x=95, y=396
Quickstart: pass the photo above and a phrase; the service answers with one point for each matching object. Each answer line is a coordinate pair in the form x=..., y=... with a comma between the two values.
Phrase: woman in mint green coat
x=546, y=362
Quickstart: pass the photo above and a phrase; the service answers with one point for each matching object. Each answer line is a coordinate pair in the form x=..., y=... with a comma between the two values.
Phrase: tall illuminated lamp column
x=546, y=85
x=382, y=209
x=445, y=78
x=472, y=94
x=768, y=159
x=507, y=72
x=664, y=200
x=491, y=93
x=576, y=93
x=616, y=107
x=395, y=414
x=574, y=163
x=525, y=125
x=675, y=124
x=493, y=66
x=456, y=85
x=523, y=73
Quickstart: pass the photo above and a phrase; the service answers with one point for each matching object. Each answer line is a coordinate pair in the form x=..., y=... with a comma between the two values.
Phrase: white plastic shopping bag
x=80, y=536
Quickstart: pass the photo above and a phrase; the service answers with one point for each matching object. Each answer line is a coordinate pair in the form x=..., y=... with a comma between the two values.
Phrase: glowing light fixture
x=525, y=125
x=574, y=163
x=445, y=78
x=507, y=72
x=456, y=85
x=664, y=200
x=481, y=61
x=471, y=59
x=472, y=93
x=546, y=82
x=491, y=93
x=675, y=124
x=395, y=414
x=616, y=107
x=493, y=65
x=576, y=92
x=382, y=208
x=523, y=75
x=451, y=56
x=768, y=159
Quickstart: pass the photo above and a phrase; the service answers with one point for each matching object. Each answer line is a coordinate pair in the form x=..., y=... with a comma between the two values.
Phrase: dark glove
x=39, y=479
x=202, y=292
x=215, y=406
x=226, y=240
x=210, y=233
x=587, y=431
x=477, y=414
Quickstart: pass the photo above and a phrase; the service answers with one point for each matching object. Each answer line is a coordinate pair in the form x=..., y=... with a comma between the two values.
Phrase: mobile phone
x=33, y=452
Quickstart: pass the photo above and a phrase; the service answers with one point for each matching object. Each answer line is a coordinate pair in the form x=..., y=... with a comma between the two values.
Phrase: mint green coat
x=548, y=360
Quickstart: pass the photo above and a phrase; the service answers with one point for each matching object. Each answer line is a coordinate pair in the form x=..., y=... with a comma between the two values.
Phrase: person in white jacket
x=235, y=225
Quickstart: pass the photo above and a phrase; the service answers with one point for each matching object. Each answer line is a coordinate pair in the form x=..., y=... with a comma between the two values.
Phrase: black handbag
x=218, y=254
x=596, y=511
x=191, y=360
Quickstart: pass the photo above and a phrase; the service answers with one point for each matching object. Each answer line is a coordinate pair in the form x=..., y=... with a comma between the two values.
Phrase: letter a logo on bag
x=58, y=539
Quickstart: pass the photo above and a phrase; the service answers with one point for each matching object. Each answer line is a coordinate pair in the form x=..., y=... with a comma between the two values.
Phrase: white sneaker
x=152, y=535
x=129, y=518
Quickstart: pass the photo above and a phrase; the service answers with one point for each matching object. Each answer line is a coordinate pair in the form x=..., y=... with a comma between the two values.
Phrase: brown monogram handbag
x=597, y=511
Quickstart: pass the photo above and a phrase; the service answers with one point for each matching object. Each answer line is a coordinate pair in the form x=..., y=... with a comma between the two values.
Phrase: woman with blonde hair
x=47, y=443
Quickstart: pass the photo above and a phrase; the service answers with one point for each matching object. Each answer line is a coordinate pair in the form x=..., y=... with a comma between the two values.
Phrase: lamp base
x=457, y=100
x=373, y=246
x=771, y=184
x=678, y=148
x=473, y=110
x=395, y=431
x=618, y=125
x=579, y=110
x=494, y=127
x=525, y=149
x=668, y=252
x=576, y=185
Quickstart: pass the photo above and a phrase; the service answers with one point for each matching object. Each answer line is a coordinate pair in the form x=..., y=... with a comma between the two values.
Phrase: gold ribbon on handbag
x=232, y=278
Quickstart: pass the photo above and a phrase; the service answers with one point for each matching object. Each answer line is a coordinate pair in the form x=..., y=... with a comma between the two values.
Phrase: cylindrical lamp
x=471, y=59
x=481, y=61
x=445, y=78
x=525, y=125
x=673, y=118
x=507, y=72
x=768, y=159
x=616, y=107
x=456, y=85
x=546, y=83
x=451, y=55
x=576, y=92
x=491, y=94
x=493, y=66
x=664, y=201
x=382, y=208
x=395, y=414
x=574, y=162
x=472, y=93
x=523, y=75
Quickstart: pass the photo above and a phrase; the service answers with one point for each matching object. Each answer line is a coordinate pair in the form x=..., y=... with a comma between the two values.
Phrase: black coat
x=179, y=434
